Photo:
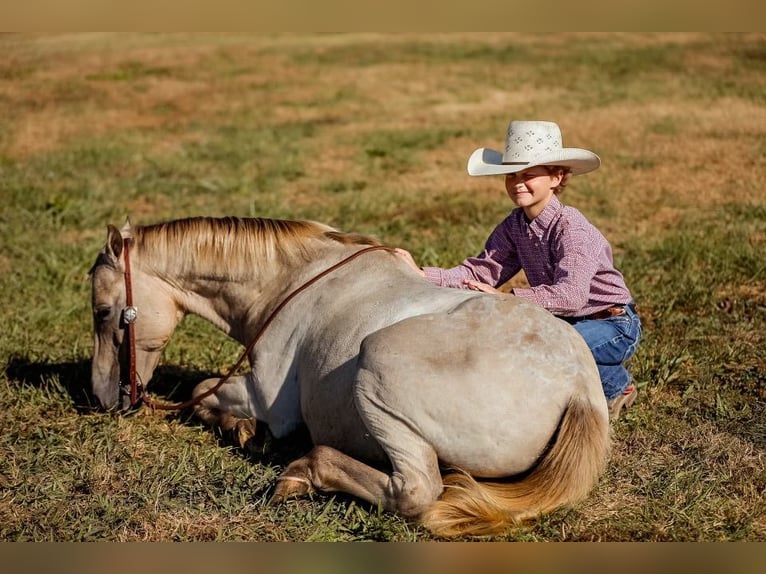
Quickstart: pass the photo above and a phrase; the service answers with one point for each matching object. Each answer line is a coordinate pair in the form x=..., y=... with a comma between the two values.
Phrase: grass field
x=370, y=133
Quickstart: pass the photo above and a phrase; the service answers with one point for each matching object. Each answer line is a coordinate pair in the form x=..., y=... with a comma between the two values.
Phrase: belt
x=613, y=311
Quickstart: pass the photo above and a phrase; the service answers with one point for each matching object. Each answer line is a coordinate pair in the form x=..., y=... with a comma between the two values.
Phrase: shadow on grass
x=170, y=383
x=73, y=376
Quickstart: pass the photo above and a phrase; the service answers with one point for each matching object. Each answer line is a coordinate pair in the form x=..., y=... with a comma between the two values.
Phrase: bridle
x=138, y=392
x=129, y=316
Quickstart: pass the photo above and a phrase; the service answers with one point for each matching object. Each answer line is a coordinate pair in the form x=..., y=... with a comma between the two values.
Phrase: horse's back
x=485, y=382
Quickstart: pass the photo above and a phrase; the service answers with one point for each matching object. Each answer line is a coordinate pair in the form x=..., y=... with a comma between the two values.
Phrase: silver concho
x=130, y=314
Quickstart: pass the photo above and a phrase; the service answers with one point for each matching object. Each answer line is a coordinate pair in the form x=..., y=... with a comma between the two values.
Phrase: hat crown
x=527, y=140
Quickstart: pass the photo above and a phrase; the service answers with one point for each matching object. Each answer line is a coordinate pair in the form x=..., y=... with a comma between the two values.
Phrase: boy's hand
x=479, y=286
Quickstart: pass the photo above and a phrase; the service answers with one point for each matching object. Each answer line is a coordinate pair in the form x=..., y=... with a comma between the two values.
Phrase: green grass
x=371, y=134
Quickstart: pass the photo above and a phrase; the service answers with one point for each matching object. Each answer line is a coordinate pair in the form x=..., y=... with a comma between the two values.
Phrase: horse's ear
x=113, y=241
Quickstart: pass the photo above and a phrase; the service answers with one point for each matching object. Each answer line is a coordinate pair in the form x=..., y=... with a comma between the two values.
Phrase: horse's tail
x=565, y=474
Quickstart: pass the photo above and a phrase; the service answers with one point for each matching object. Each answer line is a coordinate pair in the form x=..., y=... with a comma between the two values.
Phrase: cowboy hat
x=531, y=143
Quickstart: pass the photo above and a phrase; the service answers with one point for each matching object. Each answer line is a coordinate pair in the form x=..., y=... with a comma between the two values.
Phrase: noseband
x=130, y=314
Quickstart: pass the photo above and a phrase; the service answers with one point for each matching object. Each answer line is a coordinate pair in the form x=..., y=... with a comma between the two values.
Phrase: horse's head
x=157, y=317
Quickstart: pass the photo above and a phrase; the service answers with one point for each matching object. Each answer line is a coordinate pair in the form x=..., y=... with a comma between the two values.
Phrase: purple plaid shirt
x=567, y=261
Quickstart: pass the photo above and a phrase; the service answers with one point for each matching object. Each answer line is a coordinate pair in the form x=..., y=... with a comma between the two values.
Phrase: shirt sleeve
x=495, y=265
x=576, y=261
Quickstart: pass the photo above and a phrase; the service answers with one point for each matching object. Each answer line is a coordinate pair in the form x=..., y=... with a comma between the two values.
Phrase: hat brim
x=485, y=161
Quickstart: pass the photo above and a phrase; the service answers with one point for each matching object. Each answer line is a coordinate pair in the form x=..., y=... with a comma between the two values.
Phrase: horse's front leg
x=225, y=409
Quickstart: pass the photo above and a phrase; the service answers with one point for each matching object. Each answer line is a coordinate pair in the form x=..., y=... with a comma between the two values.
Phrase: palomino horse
x=395, y=379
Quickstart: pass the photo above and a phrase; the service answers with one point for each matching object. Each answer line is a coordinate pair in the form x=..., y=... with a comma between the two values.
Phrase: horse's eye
x=102, y=313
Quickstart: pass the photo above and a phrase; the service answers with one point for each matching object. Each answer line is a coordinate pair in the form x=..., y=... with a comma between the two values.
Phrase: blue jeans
x=612, y=341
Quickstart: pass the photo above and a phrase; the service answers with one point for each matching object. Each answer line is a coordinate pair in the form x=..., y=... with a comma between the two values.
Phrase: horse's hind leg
x=413, y=484
x=407, y=490
x=411, y=487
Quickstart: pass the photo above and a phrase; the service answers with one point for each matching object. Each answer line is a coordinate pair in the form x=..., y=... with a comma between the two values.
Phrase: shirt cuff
x=434, y=275
x=529, y=294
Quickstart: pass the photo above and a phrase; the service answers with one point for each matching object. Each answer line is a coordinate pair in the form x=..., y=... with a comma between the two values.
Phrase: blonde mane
x=232, y=248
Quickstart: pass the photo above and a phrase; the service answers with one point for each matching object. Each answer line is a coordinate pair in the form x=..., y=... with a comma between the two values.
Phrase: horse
x=468, y=413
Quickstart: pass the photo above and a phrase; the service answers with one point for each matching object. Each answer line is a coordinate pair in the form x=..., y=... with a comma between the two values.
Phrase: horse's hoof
x=244, y=431
x=290, y=487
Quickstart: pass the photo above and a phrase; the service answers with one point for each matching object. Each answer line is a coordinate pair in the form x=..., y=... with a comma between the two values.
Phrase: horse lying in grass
x=395, y=379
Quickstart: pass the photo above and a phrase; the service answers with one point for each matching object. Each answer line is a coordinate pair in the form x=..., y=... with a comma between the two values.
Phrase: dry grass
x=370, y=133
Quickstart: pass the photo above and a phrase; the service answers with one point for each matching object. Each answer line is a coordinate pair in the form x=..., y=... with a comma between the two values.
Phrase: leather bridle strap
x=179, y=406
x=129, y=316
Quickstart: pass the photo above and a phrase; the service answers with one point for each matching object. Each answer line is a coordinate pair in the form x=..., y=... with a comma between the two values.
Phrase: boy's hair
x=552, y=169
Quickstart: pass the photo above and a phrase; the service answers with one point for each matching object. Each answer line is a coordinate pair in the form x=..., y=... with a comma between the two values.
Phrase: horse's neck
x=228, y=305
x=223, y=305
x=237, y=307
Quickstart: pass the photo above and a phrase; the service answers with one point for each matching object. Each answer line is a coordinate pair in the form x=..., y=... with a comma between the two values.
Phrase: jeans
x=612, y=341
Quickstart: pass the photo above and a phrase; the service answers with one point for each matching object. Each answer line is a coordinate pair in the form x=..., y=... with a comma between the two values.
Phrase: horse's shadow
x=171, y=383
x=72, y=376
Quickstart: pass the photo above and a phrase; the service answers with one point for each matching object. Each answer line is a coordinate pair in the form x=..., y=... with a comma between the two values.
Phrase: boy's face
x=532, y=188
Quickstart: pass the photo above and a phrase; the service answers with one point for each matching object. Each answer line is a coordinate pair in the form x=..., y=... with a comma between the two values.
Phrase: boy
x=567, y=261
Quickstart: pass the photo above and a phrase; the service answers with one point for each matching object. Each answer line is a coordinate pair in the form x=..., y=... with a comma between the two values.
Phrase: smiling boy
x=566, y=259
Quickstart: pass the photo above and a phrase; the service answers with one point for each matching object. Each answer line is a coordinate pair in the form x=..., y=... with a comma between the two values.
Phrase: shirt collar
x=543, y=221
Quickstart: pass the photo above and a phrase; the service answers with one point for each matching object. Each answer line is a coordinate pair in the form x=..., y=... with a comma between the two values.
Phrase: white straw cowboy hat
x=531, y=143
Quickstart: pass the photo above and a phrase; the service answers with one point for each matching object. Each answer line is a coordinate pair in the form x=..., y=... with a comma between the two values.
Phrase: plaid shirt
x=567, y=261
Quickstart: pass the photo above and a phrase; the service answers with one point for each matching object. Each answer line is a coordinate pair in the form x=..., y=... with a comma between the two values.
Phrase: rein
x=130, y=314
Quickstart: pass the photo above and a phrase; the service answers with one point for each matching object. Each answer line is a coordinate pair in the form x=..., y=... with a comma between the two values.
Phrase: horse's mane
x=233, y=247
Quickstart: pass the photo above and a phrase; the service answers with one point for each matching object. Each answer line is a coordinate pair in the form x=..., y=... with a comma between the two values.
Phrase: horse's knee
x=206, y=408
x=204, y=387
x=210, y=410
